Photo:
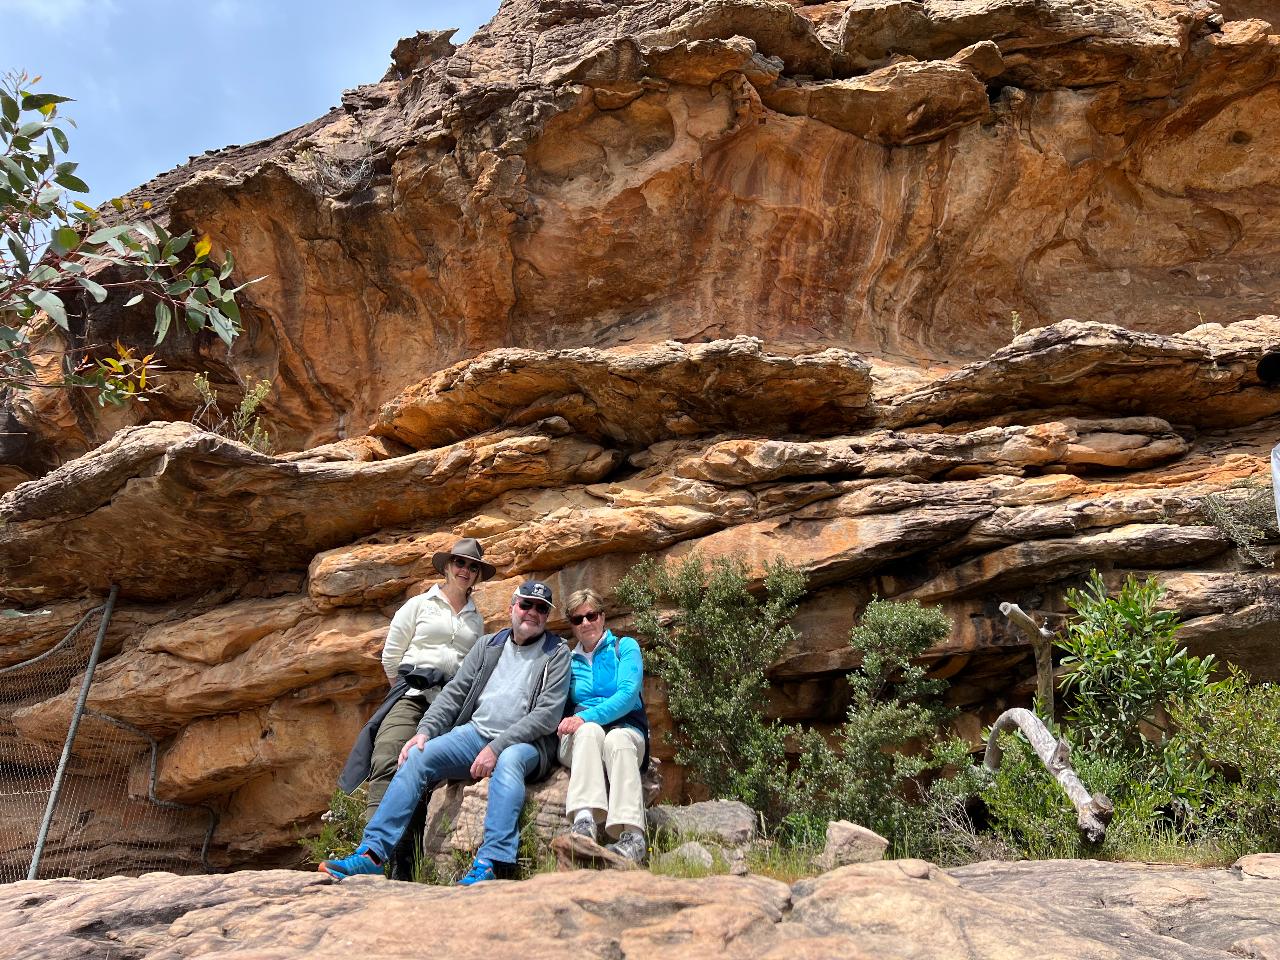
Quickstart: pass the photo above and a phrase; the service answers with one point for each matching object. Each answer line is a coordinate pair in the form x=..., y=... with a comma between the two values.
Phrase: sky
x=158, y=81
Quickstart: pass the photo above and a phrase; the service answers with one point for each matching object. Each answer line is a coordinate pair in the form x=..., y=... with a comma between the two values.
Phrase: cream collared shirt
x=425, y=632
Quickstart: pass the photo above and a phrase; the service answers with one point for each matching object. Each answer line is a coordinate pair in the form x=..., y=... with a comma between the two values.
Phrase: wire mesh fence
x=106, y=820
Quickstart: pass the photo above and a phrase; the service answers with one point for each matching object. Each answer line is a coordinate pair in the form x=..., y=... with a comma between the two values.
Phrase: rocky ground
x=894, y=909
x=645, y=278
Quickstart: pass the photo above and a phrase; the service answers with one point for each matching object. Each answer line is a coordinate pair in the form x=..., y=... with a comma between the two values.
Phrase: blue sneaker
x=360, y=862
x=481, y=870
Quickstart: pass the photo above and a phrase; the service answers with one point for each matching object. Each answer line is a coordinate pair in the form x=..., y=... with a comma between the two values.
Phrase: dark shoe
x=630, y=845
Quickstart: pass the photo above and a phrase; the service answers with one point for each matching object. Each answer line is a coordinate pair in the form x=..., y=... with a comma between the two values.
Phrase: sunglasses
x=462, y=564
x=538, y=605
x=591, y=617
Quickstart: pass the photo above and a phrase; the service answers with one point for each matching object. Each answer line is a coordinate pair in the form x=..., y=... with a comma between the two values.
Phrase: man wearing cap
x=497, y=718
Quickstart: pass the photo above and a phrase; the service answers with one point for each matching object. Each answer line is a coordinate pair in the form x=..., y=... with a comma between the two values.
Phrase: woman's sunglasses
x=462, y=564
x=591, y=617
x=538, y=605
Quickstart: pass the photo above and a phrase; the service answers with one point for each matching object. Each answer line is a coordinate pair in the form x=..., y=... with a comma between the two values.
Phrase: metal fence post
x=71, y=733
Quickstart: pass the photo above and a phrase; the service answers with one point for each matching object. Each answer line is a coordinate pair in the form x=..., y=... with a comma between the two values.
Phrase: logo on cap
x=535, y=590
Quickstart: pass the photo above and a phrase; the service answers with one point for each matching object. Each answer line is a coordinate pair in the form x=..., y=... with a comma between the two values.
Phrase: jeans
x=449, y=757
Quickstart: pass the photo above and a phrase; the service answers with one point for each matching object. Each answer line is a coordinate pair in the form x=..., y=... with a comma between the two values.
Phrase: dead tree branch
x=1042, y=646
x=1093, y=811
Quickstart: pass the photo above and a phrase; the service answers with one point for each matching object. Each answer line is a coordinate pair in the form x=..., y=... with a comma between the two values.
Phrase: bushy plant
x=244, y=424
x=1126, y=667
x=876, y=769
x=1246, y=513
x=1189, y=761
x=1235, y=727
x=710, y=642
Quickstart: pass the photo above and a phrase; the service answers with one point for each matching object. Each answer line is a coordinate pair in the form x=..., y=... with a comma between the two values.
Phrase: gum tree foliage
x=54, y=248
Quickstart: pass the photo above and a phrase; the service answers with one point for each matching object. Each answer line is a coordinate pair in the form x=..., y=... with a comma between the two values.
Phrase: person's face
x=528, y=619
x=463, y=572
x=588, y=625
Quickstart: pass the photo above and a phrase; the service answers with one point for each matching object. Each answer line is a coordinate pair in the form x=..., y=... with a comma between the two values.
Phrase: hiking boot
x=360, y=862
x=630, y=845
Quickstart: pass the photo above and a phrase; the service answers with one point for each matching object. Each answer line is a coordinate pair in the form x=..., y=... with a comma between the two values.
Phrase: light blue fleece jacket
x=608, y=687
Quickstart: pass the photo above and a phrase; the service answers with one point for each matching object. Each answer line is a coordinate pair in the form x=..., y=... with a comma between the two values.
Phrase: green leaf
x=27, y=131
x=71, y=182
x=109, y=233
x=34, y=101
x=9, y=107
x=222, y=327
x=164, y=316
x=48, y=196
x=64, y=239
x=51, y=304
x=98, y=291
x=61, y=139
x=134, y=300
x=227, y=266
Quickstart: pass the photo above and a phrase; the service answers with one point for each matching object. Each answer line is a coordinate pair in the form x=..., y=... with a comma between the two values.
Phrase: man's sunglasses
x=462, y=564
x=591, y=617
x=538, y=605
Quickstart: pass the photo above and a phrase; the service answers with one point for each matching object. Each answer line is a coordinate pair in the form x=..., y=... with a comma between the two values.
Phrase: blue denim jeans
x=449, y=757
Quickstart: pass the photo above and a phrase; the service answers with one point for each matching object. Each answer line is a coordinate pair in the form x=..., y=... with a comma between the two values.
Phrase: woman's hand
x=569, y=725
x=418, y=740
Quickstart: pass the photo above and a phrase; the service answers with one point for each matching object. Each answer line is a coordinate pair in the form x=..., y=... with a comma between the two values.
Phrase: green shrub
x=1246, y=513
x=1126, y=668
x=244, y=425
x=876, y=768
x=711, y=650
x=1235, y=727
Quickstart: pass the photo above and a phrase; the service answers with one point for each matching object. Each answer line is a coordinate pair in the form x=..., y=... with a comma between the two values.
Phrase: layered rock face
x=896, y=910
x=735, y=277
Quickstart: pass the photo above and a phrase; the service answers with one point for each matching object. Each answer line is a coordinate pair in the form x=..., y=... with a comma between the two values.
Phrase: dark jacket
x=456, y=703
x=356, y=770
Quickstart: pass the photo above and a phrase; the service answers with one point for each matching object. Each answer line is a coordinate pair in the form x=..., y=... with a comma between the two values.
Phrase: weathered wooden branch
x=1042, y=645
x=1093, y=811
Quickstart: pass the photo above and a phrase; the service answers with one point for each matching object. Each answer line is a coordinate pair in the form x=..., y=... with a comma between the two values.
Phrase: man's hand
x=418, y=741
x=569, y=725
x=484, y=763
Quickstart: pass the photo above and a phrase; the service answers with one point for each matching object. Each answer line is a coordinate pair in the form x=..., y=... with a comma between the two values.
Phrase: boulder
x=850, y=843
x=728, y=821
x=689, y=854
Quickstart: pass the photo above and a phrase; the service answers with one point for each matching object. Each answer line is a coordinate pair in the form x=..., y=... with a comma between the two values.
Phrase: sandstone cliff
x=627, y=278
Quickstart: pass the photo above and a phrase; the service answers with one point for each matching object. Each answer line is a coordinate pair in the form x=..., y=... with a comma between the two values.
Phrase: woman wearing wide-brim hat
x=426, y=642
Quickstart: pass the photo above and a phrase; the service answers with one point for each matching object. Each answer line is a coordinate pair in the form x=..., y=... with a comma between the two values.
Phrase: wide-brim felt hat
x=469, y=549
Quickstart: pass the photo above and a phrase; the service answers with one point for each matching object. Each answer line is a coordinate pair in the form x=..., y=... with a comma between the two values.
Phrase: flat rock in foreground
x=892, y=909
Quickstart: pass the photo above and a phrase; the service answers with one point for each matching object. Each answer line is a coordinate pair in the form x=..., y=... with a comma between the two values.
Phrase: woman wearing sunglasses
x=605, y=741
x=427, y=640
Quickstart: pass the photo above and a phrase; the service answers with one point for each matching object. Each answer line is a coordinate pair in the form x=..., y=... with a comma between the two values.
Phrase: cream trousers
x=596, y=758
